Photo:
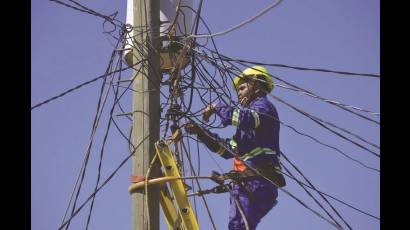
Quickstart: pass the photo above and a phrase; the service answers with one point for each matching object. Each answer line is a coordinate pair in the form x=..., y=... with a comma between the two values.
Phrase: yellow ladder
x=181, y=217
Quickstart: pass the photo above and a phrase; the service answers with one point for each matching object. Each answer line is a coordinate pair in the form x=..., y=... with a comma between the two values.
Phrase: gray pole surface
x=146, y=108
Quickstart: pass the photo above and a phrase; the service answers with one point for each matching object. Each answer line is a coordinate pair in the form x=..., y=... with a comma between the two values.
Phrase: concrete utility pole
x=146, y=107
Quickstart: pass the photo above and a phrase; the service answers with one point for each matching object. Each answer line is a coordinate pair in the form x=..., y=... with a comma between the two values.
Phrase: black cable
x=211, y=90
x=318, y=97
x=282, y=189
x=87, y=155
x=77, y=87
x=325, y=194
x=303, y=204
x=89, y=11
x=311, y=69
x=347, y=131
x=102, y=185
x=317, y=202
x=192, y=174
x=316, y=140
x=330, y=196
x=206, y=206
x=334, y=198
x=209, y=30
x=193, y=54
x=328, y=145
x=237, y=202
x=324, y=126
x=324, y=198
x=86, y=83
x=328, y=100
x=105, y=140
x=304, y=177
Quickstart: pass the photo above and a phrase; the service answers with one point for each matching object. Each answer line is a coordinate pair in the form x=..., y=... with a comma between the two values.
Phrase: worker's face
x=245, y=93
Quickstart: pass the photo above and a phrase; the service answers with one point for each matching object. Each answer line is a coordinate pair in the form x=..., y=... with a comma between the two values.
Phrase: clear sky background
x=68, y=47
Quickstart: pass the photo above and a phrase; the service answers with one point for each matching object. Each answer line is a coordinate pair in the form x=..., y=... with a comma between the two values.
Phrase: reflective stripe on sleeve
x=235, y=117
x=256, y=117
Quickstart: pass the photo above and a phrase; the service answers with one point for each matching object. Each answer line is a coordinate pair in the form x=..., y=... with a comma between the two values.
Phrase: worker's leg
x=254, y=207
x=265, y=199
x=235, y=217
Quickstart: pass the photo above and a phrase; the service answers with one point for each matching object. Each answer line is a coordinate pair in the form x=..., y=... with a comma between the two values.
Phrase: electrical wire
x=94, y=128
x=306, y=92
x=77, y=87
x=322, y=194
x=307, y=68
x=318, y=121
x=271, y=6
x=102, y=185
x=105, y=140
x=202, y=85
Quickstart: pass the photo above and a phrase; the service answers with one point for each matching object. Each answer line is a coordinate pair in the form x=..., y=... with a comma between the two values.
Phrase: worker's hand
x=192, y=128
x=208, y=111
x=243, y=101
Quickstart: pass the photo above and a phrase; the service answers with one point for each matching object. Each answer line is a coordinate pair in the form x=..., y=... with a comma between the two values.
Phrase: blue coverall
x=256, y=142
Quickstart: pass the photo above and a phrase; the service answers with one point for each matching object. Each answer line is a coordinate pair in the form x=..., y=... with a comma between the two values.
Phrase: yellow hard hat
x=253, y=72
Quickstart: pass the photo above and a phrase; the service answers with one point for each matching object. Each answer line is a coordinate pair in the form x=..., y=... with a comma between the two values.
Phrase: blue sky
x=68, y=47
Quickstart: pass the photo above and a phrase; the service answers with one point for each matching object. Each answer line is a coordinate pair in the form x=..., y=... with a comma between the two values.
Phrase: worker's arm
x=223, y=147
x=243, y=118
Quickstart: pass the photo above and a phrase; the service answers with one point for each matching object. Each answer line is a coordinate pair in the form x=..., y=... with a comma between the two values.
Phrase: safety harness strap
x=270, y=171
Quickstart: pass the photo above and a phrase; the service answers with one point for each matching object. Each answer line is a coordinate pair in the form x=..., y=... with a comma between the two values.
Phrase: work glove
x=192, y=128
x=208, y=111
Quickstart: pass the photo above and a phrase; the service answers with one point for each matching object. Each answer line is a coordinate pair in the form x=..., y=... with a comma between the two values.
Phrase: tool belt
x=270, y=171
